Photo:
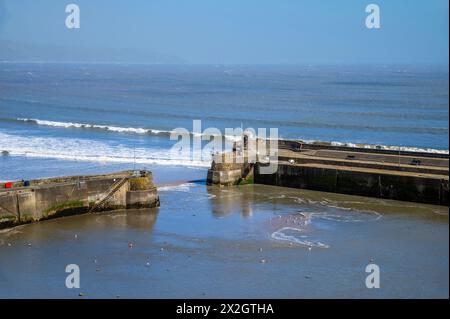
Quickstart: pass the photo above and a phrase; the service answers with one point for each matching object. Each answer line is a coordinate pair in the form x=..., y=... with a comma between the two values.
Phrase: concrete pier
x=225, y=172
x=49, y=198
x=389, y=174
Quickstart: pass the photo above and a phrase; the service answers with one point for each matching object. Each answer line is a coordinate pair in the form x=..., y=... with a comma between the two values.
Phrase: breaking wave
x=96, y=151
x=116, y=129
x=109, y=128
x=392, y=148
x=155, y=132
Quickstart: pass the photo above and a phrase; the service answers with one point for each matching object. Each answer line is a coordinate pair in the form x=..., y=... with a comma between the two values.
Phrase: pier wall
x=49, y=198
x=224, y=177
x=363, y=183
x=389, y=174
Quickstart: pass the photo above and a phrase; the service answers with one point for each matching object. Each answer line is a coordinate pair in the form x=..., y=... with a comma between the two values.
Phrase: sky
x=228, y=31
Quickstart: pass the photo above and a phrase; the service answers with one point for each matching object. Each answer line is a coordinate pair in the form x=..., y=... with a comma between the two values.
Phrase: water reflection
x=138, y=219
x=244, y=200
x=231, y=200
x=81, y=226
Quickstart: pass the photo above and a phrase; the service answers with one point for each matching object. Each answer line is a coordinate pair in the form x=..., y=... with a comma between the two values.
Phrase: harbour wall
x=49, y=198
x=387, y=174
x=386, y=185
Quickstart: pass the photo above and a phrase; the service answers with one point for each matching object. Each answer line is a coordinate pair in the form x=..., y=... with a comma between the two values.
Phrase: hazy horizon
x=228, y=33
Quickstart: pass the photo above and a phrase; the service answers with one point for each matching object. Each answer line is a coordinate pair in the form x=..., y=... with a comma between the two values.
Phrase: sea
x=251, y=241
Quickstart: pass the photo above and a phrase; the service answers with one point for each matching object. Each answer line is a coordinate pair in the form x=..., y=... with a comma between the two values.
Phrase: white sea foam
x=348, y=216
x=181, y=187
x=90, y=150
x=111, y=128
x=392, y=148
x=143, y=131
x=117, y=129
x=296, y=236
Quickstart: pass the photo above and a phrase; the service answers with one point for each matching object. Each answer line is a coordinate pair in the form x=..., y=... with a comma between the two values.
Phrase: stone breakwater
x=388, y=174
x=32, y=201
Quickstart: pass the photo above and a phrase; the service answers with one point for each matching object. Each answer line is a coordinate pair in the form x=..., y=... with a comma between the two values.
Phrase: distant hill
x=19, y=52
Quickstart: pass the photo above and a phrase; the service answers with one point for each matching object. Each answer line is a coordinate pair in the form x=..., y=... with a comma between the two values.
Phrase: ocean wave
x=96, y=151
x=115, y=129
x=392, y=148
x=155, y=132
x=285, y=123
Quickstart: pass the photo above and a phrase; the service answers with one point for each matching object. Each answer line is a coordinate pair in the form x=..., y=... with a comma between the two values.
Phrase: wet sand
x=250, y=241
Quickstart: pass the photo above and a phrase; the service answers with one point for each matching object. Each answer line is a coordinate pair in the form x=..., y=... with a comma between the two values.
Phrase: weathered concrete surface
x=142, y=199
x=358, y=159
x=227, y=170
x=50, y=198
x=224, y=177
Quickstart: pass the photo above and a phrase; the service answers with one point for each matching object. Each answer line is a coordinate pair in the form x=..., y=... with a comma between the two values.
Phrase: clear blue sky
x=240, y=31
